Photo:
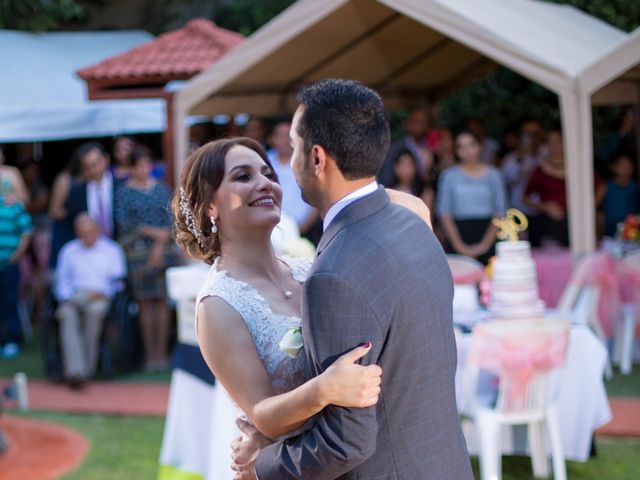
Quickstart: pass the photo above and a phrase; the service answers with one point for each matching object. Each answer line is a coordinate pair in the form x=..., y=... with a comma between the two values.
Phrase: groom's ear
x=319, y=158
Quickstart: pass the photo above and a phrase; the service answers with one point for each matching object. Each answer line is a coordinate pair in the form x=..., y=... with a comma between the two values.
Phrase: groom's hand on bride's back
x=245, y=449
x=347, y=384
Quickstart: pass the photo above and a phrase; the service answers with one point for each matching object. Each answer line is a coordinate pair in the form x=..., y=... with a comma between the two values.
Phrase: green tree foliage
x=39, y=15
x=624, y=14
x=246, y=16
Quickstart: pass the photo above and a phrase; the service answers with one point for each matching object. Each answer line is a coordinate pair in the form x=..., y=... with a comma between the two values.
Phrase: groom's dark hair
x=348, y=120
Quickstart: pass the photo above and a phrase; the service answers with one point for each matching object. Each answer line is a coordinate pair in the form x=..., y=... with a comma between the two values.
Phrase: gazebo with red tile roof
x=143, y=72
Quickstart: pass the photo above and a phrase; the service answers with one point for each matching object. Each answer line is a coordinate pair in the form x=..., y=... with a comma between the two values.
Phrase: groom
x=380, y=276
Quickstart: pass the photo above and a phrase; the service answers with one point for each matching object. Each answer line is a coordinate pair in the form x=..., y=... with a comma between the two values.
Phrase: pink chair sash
x=599, y=271
x=630, y=288
x=517, y=355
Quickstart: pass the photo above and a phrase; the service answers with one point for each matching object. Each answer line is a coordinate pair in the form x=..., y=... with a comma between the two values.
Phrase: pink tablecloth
x=554, y=271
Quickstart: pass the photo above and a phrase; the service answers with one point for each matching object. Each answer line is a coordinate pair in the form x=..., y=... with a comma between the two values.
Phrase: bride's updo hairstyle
x=202, y=175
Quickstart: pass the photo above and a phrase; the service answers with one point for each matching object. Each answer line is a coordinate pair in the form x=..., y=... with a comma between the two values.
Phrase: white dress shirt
x=341, y=204
x=100, y=203
x=93, y=269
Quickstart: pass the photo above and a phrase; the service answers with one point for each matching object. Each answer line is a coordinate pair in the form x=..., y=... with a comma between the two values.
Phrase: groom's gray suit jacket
x=380, y=276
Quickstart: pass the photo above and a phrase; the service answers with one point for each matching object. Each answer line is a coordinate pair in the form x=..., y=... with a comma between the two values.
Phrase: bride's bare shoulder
x=411, y=202
x=216, y=318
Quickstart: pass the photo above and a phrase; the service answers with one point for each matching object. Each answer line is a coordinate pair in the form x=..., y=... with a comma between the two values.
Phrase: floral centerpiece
x=629, y=230
x=627, y=238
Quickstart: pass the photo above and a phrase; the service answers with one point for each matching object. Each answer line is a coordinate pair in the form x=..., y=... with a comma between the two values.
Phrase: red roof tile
x=179, y=54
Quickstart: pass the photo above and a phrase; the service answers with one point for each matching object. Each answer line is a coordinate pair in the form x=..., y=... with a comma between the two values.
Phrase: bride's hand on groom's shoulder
x=245, y=450
x=411, y=202
x=347, y=384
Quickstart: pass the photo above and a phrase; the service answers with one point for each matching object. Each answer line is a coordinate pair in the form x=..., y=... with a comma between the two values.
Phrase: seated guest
x=86, y=276
x=546, y=193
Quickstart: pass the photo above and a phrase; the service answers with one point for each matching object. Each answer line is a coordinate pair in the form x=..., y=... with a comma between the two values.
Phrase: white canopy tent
x=408, y=50
x=613, y=79
x=43, y=99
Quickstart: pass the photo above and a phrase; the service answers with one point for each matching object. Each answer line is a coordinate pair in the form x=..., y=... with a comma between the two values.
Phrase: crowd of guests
x=103, y=226
x=105, y=223
x=468, y=178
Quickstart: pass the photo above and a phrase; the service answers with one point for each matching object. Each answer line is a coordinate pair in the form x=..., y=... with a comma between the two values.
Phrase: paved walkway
x=151, y=399
x=626, y=418
x=109, y=398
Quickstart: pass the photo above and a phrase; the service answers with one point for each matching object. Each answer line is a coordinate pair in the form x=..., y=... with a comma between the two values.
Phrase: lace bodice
x=266, y=328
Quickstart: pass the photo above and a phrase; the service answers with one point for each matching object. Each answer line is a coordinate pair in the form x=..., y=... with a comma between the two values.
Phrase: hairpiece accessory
x=214, y=227
x=189, y=218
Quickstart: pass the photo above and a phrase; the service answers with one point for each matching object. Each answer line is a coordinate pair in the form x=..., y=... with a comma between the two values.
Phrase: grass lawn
x=128, y=448
x=617, y=459
x=121, y=448
x=625, y=385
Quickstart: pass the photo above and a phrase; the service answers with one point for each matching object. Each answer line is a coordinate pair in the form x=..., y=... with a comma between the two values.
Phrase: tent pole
x=579, y=177
x=181, y=138
x=167, y=141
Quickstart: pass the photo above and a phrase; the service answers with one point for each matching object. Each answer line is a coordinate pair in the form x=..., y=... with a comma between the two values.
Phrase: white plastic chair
x=629, y=271
x=467, y=274
x=579, y=302
x=465, y=270
x=534, y=407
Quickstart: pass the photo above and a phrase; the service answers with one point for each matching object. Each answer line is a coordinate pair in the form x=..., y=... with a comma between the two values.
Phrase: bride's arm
x=229, y=351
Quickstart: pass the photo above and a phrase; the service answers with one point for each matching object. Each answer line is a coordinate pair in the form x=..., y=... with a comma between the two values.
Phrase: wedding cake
x=514, y=285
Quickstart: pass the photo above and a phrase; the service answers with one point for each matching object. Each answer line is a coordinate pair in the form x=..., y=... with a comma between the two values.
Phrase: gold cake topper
x=511, y=225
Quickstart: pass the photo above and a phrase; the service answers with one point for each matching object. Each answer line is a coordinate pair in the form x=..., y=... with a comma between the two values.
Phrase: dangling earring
x=214, y=227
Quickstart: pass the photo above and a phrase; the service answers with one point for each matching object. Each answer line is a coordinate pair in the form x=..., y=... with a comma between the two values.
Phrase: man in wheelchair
x=88, y=270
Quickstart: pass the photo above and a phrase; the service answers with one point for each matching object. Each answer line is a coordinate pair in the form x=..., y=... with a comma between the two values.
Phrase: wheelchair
x=121, y=348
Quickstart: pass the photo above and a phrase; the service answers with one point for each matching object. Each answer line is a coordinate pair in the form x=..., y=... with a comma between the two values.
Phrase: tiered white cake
x=514, y=285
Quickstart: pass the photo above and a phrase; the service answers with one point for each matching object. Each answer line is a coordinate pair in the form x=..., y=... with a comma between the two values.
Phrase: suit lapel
x=359, y=209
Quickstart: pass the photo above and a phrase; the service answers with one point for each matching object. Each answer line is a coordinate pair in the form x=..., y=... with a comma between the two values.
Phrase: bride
x=225, y=209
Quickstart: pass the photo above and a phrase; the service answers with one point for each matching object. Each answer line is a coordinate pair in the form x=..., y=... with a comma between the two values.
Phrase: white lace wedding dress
x=267, y=329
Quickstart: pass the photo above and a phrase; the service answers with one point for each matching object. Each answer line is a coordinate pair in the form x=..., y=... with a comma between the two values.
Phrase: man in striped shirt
x=15, y=234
